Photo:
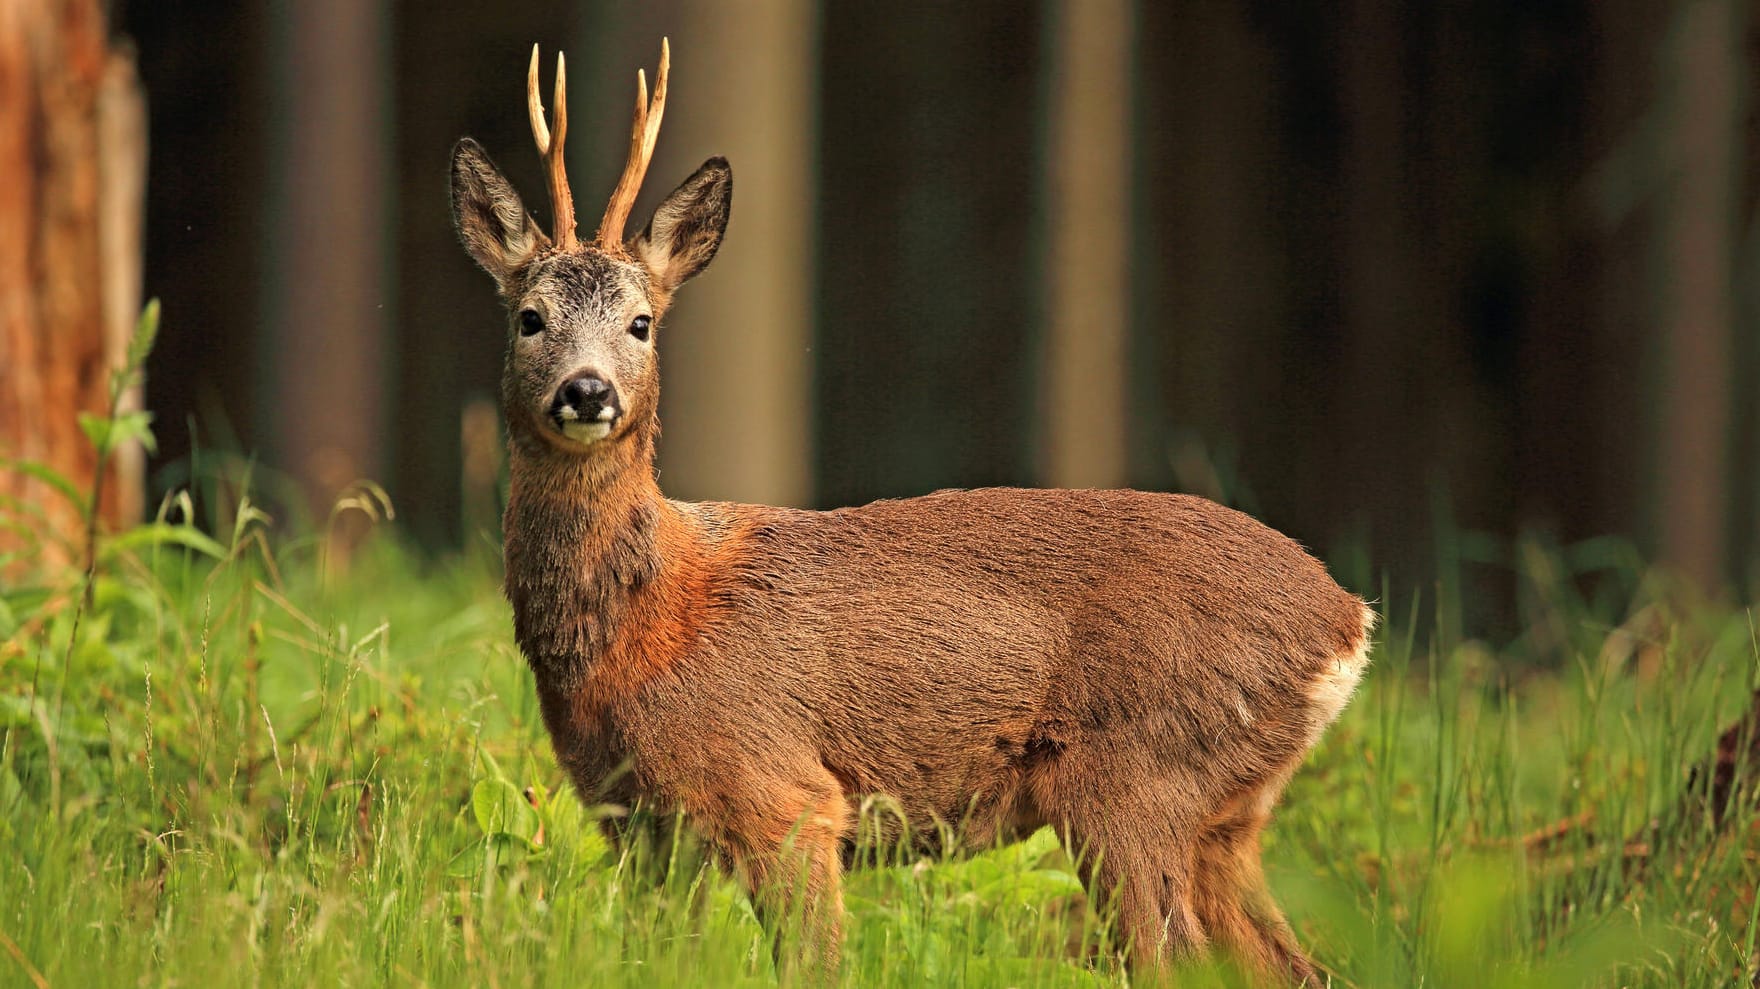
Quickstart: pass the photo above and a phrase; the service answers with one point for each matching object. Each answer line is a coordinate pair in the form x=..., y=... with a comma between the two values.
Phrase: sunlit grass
x=256, y=763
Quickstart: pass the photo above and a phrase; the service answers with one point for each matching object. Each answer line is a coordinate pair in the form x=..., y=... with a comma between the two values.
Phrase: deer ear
x=686, y=230
x=491, y=220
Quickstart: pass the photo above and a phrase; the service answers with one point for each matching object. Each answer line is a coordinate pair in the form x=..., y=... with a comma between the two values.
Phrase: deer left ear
x=686, y=230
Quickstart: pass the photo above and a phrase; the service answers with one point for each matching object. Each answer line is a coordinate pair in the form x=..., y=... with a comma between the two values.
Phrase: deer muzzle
x=586, y=408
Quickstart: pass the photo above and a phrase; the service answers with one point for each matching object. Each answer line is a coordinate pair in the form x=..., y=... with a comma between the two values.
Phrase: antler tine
x=657, y=108
x=550, y=149
x=644, y=132
x=535, y=107
x=559, y=103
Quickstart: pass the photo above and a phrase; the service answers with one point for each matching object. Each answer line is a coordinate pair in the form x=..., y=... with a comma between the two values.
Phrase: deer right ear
x=491, y=220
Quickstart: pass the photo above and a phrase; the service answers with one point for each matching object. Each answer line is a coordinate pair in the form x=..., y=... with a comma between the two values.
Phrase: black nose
x=587, y=396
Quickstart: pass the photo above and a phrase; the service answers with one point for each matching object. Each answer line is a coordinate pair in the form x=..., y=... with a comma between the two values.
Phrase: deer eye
x=530, y=322
x=639, y=328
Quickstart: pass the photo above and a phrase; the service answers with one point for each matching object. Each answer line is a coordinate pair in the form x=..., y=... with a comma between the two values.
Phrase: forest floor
x=244, y=771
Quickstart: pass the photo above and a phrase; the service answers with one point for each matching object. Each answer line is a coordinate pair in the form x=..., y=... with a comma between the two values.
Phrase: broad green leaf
x=510, y=848
x=501, y=809
x=469, y=860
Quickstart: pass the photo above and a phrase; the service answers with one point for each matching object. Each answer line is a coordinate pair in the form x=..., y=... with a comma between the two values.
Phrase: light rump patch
x=1338, y=679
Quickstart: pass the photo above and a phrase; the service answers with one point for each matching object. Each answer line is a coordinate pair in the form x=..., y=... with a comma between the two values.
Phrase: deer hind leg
x=1235, y=904
x=1136, y=854
x=1232, y=900
x=1148, y=895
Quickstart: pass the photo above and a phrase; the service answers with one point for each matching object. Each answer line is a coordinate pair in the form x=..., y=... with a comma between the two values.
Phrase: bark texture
x=72, y=150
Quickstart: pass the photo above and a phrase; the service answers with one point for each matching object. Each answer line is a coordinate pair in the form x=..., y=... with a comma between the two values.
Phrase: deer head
x=582, y=377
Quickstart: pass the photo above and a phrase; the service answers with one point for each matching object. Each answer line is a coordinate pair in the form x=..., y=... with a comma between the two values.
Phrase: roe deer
x=1141, y=671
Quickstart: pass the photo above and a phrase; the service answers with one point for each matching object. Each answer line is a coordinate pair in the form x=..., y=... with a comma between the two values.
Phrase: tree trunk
x=329, y=282
x=1086, y=398
x=73, y=151
x=927, y=247
x=1695, y=290
x=736, y=361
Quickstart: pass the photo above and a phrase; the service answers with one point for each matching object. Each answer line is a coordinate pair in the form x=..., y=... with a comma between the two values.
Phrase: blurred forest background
x=1373, y=271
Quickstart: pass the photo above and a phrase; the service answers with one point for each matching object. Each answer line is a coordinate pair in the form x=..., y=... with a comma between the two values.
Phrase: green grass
x=244, y=772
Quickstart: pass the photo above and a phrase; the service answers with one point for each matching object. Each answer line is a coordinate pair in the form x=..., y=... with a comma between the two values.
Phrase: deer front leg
x=786, y=849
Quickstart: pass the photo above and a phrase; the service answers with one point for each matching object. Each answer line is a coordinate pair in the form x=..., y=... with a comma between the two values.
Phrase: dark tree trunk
x=461, y=71
x=331, y=301
x=926, y=247
x=1699, y=115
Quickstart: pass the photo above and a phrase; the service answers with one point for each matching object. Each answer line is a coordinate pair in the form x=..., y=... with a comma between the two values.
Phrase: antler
x=550, y=149
x=643, y=133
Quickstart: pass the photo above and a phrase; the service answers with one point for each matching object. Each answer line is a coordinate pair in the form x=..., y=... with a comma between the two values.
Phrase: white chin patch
x=586, y=432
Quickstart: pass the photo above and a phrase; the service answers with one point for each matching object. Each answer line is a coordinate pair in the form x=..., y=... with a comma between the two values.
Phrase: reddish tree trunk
x=72, y=152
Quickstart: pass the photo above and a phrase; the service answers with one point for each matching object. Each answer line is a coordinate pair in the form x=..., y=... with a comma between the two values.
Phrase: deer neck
x=582, y=539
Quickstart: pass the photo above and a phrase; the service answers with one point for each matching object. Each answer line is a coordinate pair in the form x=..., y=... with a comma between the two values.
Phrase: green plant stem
x=89, y=582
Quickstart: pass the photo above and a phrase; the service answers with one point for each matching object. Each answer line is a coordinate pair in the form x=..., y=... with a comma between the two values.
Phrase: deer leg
x=790, y=859
x=1138, y=863
x=1150, y=899
x=1232, y=900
